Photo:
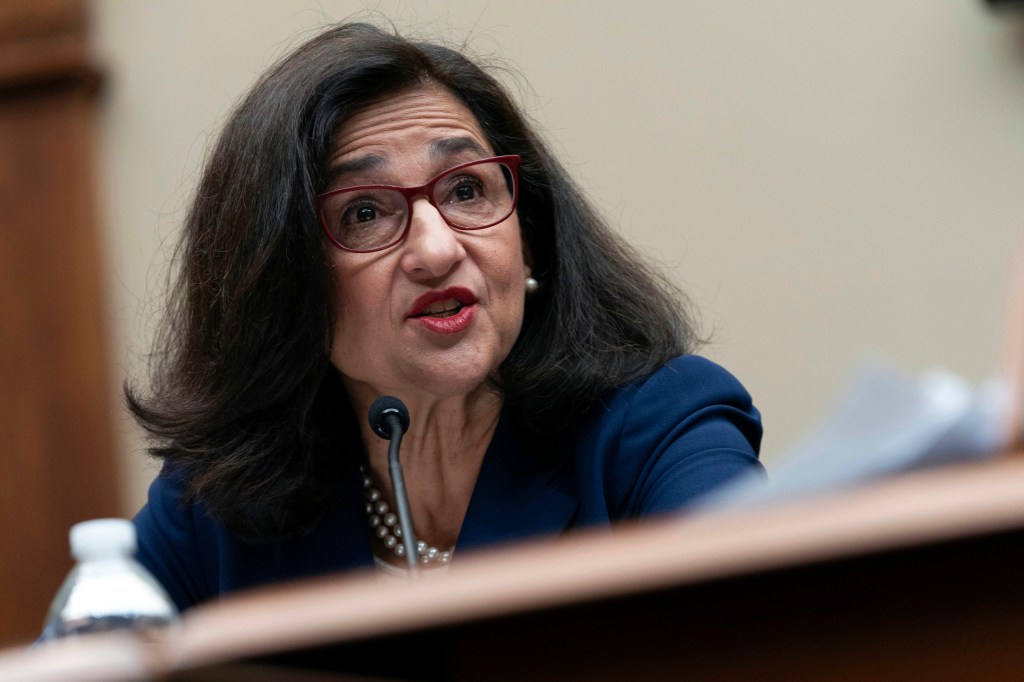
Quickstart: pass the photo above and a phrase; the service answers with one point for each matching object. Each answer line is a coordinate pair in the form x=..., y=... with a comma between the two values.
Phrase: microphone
x=383, y=413
x=389, y=419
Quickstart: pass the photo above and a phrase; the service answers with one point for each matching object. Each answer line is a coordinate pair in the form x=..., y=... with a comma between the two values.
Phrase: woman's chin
x=453, y=372
x=451, y=384
x=422, y=382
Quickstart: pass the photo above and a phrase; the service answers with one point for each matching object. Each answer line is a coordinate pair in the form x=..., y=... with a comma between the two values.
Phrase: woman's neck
x=441, y=456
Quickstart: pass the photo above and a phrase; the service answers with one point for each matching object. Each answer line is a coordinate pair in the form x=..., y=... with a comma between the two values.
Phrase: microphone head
x=381, y=409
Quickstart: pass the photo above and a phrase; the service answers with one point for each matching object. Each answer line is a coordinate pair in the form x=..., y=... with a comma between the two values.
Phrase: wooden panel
x=24, y=19
x=56, y=440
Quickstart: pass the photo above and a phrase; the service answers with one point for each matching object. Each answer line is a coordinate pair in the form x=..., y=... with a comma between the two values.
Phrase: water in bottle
x=107, y=589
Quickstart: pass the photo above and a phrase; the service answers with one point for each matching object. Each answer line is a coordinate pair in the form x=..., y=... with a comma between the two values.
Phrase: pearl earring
x=532, y=285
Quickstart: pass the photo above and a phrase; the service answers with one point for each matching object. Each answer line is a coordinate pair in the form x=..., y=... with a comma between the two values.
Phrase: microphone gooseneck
x=389, y=419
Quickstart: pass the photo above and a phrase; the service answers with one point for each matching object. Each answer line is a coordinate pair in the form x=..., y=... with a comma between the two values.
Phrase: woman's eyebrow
x=450, y=146
x=365, y=163
x=438, y=149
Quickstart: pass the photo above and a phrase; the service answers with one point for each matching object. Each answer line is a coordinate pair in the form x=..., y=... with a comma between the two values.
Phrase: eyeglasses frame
x=425, y=190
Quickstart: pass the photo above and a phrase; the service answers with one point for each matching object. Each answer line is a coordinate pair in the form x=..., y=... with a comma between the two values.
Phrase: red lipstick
x=445, y=311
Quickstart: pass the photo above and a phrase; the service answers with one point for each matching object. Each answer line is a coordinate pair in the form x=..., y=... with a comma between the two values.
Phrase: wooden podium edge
x=914, y=509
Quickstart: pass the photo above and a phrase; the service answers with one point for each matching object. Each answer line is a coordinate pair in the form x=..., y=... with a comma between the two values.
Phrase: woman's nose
x=431, y=248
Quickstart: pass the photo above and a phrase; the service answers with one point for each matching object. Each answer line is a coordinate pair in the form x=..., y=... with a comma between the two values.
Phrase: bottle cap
x=102, y=537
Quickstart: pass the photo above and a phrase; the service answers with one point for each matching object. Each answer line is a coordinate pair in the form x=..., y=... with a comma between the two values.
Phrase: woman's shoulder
x=193, y=555
x=682, y=382
x=658, y=442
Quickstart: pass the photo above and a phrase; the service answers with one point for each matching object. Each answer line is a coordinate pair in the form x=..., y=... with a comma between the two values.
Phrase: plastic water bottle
x=107, y=589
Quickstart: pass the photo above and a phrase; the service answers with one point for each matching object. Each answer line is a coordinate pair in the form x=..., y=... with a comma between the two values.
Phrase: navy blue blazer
x=650, y=447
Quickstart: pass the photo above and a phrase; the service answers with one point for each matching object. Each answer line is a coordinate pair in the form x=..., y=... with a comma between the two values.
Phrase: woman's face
x=437, y=313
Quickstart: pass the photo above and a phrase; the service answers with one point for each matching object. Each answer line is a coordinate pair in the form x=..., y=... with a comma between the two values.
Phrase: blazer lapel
x=522, y=490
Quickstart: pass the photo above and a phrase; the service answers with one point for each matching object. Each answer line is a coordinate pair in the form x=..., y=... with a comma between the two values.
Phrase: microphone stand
x=401, y=497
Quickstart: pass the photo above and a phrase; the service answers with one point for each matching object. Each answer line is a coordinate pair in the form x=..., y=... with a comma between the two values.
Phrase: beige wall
x=829, y=180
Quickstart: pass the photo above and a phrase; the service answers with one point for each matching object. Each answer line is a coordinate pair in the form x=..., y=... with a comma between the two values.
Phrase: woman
x=544, y=367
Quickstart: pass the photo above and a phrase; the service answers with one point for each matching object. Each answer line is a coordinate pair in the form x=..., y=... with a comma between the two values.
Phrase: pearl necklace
x=385, y=526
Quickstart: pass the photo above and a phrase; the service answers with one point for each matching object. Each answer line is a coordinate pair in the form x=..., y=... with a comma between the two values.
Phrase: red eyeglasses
x=470, y=196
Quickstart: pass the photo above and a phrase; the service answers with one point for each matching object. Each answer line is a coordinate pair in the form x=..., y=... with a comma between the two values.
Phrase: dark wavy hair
x=243, y=402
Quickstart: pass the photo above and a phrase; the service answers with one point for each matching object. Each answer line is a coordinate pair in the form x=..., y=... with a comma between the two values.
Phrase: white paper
x=886, y=422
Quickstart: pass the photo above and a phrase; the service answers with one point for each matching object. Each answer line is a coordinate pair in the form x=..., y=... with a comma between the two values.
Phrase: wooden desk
x=920, y=573
x=915, y=577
